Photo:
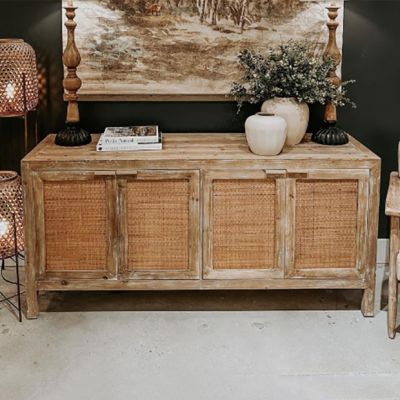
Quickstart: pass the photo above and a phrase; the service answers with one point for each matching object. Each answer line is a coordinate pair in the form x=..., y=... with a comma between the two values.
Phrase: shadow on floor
x=207, y=300
x=201, y=300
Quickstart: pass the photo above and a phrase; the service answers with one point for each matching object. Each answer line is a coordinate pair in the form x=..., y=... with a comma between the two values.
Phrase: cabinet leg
x=32, y=303
x=392, y=306
x=368, y=301
x=393, y=290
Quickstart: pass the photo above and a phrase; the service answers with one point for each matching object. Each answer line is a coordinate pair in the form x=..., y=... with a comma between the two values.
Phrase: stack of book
x=130, y=138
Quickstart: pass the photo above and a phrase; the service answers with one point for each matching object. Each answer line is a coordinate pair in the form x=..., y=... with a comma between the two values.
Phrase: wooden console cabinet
x=203, y=213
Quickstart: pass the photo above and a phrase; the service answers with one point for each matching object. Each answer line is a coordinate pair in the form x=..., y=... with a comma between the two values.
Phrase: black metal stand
x=3, y=297
x=330, y=134
x=72, y=135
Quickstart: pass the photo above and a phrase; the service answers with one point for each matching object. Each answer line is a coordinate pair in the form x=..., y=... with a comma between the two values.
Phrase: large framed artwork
x=183, y=49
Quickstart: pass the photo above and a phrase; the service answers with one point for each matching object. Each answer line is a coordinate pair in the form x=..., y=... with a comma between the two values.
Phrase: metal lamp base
x=330, y=134
x=72, y=135
x=9, y=299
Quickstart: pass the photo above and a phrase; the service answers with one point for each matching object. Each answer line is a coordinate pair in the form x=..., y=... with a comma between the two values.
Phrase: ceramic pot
x=295, y=114
x=265, y=133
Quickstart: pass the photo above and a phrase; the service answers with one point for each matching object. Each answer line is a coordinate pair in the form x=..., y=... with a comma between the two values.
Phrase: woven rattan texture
x=158, y=225
x=11, y=203
x=18, y=77
x=243, y=224
x=75, y=225
x=326, y=223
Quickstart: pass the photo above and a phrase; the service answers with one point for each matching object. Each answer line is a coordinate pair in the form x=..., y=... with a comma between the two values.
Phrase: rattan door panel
x=160, y=225
x=243, y=224
x=76, y=224
x=328, y=217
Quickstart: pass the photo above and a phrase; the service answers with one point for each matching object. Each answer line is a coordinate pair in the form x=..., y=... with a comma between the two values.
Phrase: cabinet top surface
x=198, y=147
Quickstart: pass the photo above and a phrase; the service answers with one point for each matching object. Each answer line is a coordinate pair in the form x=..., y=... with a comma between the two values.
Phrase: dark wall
x=370, y=56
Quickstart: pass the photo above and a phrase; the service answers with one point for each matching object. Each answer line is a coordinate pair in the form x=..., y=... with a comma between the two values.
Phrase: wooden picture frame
x=185, y=50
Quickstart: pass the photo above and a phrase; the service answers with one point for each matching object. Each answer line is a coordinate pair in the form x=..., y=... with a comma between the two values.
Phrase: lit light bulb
x=10, y=91
x=3, y=227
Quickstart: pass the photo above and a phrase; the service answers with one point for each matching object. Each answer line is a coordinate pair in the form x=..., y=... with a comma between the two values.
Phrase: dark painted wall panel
x=370, y=56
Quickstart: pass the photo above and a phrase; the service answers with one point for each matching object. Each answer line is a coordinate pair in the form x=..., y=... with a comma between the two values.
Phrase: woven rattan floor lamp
x=18, y=82
x=11, y=232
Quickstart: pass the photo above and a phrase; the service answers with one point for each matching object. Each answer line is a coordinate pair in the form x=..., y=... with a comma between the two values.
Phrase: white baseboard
x=382, y=256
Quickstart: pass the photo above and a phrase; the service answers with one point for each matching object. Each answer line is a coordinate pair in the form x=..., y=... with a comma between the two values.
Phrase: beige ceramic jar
x=296, y=115
x=265, y=133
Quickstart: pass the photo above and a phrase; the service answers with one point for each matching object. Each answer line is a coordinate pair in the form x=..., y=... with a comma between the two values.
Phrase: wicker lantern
x=11, y=214
x=18, y=78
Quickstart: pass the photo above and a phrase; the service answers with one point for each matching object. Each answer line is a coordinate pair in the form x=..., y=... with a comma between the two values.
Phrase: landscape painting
x=183, y=49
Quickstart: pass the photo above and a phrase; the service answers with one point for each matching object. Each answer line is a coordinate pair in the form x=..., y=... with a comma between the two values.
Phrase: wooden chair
x=393, y=211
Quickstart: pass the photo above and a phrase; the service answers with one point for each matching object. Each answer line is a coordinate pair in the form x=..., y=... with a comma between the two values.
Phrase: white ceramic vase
x=296, y=115
x=265, y=133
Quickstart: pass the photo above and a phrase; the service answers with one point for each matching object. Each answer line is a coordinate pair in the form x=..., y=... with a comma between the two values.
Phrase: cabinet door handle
x=104, y=173
x=127, y=173
x=275, y=173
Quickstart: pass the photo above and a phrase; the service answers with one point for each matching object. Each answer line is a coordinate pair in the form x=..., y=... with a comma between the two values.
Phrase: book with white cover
x=129, y=146
x=130, y=134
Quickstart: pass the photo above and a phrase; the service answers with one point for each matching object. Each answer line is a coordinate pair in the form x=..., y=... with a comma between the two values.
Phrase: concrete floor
x=175, y=345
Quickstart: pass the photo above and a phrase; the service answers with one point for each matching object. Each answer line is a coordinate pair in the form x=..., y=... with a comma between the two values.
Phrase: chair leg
x=393, y=290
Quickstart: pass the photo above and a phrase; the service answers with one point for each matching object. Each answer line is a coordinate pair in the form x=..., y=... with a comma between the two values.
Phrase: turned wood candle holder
x=72, y=134
x=330, y=133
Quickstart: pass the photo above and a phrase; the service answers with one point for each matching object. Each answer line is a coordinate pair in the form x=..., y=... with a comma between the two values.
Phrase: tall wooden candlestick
x=72, y=134
x=330, y=133
x=332, y=53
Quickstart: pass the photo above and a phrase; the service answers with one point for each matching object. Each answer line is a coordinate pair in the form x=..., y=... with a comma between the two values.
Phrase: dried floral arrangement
x=288, y=70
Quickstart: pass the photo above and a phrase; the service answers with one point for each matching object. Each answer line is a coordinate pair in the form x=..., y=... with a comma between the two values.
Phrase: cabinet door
x=160, y=225
x=244, y=218
x=75, y=224
x=327, y=223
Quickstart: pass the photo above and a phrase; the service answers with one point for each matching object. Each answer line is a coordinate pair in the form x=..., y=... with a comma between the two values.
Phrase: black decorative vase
x=72, y=135
x=330, y=134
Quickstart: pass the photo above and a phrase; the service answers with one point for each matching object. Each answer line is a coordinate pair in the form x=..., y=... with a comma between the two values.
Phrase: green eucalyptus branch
x=288, y=70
